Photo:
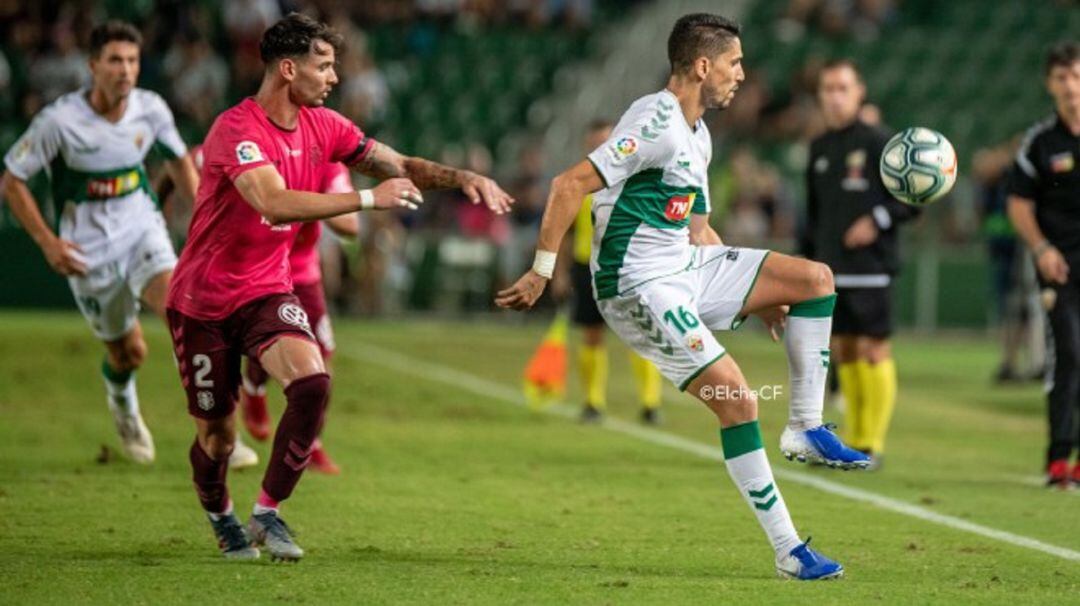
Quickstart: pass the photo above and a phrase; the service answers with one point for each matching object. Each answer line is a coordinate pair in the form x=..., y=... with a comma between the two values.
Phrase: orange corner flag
x=545, y=374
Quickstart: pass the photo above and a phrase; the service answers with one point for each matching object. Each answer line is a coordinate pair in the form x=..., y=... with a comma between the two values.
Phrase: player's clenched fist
x=65, y=257
x=397, y=193
x=524, y=293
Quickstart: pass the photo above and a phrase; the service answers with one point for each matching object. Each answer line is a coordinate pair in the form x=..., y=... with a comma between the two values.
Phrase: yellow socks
x=880, y=388
x=850, y=375
x=648, y=382
x=593, y=364
x=870, y=397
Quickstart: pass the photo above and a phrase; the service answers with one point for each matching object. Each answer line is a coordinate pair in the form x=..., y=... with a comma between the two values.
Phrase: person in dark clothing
x=1044, y=187
x=852, y=226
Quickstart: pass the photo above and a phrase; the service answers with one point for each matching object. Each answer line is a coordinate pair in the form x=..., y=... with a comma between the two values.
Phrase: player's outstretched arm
x=63, y=256
x=264, y=188
x=568, y=190
x=383, y=162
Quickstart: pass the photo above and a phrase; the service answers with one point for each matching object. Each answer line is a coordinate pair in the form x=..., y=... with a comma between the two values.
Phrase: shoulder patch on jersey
x=23, y=149
x=622, y=149
x=248, y=152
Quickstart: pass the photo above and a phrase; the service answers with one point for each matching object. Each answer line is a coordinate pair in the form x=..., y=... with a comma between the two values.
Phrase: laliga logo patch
x=205, y=400
x=290, y=313
x=623, y=149
x=695, y=343
x=678, y=207
x=247, y=152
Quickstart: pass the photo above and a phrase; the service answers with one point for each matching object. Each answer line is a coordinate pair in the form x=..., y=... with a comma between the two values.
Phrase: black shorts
x=863, y=312
x=586, y=313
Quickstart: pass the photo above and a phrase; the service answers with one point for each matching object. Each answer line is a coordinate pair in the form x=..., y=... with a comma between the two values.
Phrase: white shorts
x=669, y=320
x=108, y=295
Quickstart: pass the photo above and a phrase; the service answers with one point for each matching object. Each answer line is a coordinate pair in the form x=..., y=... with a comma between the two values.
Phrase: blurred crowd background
x=478, y=83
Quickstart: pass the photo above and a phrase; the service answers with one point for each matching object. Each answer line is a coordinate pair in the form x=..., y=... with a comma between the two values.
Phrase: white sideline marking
x=483, y=387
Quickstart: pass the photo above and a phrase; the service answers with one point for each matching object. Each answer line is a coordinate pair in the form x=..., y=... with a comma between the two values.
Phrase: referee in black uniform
x=851, y=226
x=1044, y=206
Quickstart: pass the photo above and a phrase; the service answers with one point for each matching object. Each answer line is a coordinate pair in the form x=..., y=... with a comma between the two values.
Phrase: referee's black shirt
x=1046, y=171
x=843, y=183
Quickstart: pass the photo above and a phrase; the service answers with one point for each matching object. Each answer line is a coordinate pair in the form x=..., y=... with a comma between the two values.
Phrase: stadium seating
x=971, y=68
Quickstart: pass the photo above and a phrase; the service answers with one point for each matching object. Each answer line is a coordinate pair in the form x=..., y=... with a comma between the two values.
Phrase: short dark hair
x=294, y=36
x=1062, y=54
x=839, y=63
x=112, y=31
x=699, y=35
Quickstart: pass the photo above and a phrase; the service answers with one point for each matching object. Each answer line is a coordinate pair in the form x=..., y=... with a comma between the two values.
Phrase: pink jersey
x=234, y=255
x=304, y=259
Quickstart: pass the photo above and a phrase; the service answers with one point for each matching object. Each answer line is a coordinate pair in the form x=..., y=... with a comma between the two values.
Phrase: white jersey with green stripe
x=655, y=169
x=99, y=185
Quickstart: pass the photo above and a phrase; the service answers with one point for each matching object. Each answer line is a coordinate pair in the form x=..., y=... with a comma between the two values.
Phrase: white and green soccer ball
x=918, y=166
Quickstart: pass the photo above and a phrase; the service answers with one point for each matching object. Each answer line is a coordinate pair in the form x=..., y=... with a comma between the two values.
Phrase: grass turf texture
x=447, y=497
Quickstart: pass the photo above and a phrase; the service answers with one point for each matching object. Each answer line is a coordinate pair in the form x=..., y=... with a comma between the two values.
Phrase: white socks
x=261, y=509
x=120, y=387
x=217, y=516
x=809, y=326
x=749, y=469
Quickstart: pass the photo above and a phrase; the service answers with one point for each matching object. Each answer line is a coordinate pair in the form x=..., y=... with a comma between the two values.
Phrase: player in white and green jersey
x=111, y=244
x=664, y=281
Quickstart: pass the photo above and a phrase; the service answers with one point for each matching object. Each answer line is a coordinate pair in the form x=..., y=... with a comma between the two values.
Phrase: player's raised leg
x=297, y=364
x=807, y=287
x=723, y=389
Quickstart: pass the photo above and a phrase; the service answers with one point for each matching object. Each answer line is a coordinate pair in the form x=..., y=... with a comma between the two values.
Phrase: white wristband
x=544, y=264
x=367, y=199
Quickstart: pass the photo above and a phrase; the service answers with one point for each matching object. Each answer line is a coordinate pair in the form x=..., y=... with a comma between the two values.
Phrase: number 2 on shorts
x=203, y=366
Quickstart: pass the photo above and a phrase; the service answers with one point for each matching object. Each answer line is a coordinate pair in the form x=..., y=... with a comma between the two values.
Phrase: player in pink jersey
x=308, y=287
x=231, y=293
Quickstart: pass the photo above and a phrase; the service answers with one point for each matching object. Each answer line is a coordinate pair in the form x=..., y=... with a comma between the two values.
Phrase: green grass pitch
x=450, y=495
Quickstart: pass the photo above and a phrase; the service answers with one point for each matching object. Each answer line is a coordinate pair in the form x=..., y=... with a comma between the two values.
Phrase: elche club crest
x=695, y=343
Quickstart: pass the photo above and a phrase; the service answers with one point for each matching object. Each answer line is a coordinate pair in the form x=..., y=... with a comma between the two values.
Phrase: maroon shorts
x=313, y=300
x=208, y=352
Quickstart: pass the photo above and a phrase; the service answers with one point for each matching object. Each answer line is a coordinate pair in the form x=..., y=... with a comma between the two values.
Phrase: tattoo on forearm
x=379, y=163
x=383, y=162
x=431, y=175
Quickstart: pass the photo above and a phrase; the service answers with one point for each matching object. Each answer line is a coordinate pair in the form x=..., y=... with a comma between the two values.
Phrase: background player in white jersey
x=663, y=279
x=112, y=243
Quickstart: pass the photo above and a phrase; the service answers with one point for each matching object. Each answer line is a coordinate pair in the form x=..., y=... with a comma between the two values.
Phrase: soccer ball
x=918, y=166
